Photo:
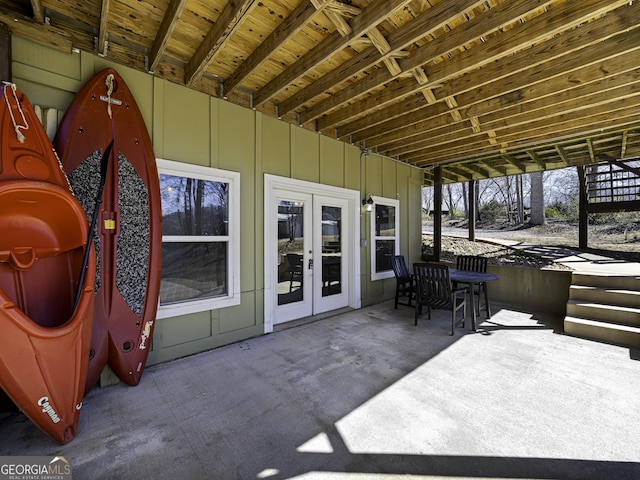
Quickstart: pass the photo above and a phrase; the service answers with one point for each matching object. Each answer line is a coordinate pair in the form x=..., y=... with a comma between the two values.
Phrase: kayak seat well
x=44, y=232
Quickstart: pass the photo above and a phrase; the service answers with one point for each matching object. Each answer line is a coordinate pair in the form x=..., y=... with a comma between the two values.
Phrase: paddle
x=103, y=179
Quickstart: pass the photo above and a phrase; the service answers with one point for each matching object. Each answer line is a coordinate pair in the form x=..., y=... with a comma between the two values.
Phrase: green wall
x=189, y=126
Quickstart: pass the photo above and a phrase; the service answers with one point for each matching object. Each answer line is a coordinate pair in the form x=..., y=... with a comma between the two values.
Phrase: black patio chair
x=295, y=269
x=474, y=263
x=435, y=291
x=404, y=280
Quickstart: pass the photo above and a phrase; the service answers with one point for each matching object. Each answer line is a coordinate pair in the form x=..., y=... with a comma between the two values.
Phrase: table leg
x=473, y=308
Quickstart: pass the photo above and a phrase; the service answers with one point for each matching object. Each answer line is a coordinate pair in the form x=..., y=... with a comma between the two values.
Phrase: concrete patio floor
x=367, y=395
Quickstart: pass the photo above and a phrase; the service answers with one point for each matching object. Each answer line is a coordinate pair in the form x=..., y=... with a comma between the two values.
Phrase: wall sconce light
x=368, y=204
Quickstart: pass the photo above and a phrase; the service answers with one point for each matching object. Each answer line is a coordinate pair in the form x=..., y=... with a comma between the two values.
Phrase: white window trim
x=391, y=203
x=170, y=167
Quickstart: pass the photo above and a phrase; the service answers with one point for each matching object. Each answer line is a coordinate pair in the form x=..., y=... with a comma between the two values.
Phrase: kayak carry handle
x=20, y=258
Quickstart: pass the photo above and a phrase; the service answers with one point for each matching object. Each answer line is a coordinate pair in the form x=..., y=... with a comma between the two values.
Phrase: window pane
x=193, y=271
x=384, y=251
x=192, y=206
x=385, y=221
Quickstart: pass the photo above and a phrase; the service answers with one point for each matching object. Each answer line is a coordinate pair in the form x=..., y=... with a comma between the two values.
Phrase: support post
x=472, y=210
x=582, y=209
x=437, y=213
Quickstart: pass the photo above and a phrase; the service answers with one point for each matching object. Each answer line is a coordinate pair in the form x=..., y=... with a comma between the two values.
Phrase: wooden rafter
x=521, y=65
x=165, y=31
x=474, y=86
x=101, y=44
x=370, y=17
x=285, y=30
x=38, y=11
x=221, y=32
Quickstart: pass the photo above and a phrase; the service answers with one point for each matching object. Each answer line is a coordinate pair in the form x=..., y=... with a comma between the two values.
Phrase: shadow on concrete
x=366, y=395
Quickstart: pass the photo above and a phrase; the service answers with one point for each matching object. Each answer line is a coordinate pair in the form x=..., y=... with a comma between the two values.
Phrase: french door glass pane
x=331, y=250
x=290, y=251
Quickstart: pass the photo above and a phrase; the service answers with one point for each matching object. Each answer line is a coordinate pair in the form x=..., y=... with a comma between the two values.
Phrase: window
x=385, y=236
x=200, y=238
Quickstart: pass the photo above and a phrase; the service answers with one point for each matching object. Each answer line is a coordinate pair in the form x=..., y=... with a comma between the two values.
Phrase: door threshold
x=310, y=319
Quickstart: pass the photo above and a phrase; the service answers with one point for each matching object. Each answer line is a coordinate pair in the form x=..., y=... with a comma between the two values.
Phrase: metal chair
x=434, y=290
x=295, y=269
x=404, y=280
x=474, y=263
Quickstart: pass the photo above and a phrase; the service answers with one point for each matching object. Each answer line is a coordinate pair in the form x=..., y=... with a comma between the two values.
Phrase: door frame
x=352, y=222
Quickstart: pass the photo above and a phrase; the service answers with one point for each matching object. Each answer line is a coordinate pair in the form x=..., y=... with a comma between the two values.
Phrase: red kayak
x=44, y=340
x=129, y=233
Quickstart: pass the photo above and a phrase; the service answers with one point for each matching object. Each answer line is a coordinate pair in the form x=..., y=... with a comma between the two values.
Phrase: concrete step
x=603, y=331
x=611, y=281
x=604, y=313
x=607, y=296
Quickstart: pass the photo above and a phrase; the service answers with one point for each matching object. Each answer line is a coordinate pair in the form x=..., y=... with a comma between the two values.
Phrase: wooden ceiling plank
x=544, y=132
x=168, y=25
x=599, y=91
x=429, y=21
x=535, y=31
x=101, y=45
x=621, y=46
x=286, y=29
x=229, y=20
x=371, y=16
x=457, y=38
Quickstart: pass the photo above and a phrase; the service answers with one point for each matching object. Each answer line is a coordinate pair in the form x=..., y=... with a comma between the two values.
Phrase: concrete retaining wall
x=544, y=291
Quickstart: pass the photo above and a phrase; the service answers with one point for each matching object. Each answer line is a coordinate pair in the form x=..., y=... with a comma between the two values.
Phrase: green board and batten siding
x=191, y=127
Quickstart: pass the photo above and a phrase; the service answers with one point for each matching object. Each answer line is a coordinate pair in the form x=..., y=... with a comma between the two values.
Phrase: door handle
x=311, y=264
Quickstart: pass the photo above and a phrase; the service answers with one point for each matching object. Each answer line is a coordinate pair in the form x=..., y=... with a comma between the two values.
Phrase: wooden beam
x=169, y=21
x=46, y=35
x=101, y=45
x=430, y=21
x=549, y=95
x=285, y=30
x=521, y=38
x=226, y=24
x=374, y=14
x=456, y=39
x=536, y=158
x=38, y=11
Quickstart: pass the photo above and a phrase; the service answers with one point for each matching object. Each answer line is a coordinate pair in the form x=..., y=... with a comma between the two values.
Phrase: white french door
x=311, y=237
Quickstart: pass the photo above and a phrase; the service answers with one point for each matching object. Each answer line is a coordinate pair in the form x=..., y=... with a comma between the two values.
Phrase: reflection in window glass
x=385, y=237
x=193, y=206
x=193, y=271
x=331, y=250
x=385, y=221
x=195, y=238
x=290, y=251
x=385, y=249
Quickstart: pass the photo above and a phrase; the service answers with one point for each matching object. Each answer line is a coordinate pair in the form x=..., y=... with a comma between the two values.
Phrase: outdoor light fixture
x=368, y=204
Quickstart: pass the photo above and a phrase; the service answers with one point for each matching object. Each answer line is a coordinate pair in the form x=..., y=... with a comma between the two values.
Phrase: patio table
x=473, y=279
